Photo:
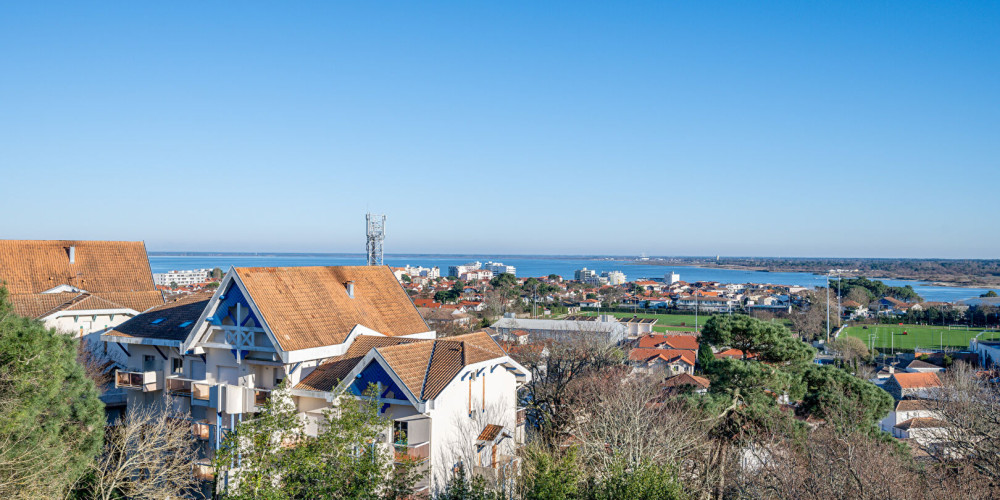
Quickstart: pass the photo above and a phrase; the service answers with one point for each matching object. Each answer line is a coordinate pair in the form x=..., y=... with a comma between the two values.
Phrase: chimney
x=350, y=288
x=72, y=254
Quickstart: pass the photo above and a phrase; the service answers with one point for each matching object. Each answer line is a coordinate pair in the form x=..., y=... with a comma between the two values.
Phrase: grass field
x=888, y=336
x=673, y=322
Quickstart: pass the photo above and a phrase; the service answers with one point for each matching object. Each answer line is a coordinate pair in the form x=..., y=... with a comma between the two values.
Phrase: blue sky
x=702, y=128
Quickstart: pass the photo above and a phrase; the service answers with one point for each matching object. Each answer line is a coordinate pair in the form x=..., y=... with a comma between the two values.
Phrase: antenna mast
x=376, y=234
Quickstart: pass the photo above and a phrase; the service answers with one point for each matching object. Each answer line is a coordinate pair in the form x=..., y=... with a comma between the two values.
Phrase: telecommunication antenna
x=376, y=234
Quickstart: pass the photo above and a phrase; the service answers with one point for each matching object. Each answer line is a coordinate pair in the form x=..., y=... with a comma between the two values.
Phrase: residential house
x=685, y=381
x=441, y=317
x=326, y=332
x=907, y=409
x=78, y=287
x=706, y=303
x=912, y=385
x=919, y=366
x=671, y=361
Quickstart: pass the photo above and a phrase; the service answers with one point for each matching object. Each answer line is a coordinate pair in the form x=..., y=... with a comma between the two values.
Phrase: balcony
x=203, y=470
x=200, y=393
x=140, y=381
x=201, y=430
x=419, y=451
x=260, y=398
x=521, y=415
x=178, y=386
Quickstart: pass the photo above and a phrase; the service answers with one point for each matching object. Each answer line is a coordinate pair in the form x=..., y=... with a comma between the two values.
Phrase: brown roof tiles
x=308, y=307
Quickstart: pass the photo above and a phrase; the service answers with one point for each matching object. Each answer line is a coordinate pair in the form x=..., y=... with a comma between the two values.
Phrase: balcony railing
x=521, y=414
x=200, y=391
x=203, y=470
x=143, y=381
x=419, y=451
x=179, y=386
x=201, y=430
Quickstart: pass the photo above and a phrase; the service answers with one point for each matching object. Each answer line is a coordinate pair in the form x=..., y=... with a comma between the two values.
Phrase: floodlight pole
x=828, y=308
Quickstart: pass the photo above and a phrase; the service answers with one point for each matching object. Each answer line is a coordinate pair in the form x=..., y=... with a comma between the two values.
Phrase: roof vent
x=72, y=254
x=350, y=288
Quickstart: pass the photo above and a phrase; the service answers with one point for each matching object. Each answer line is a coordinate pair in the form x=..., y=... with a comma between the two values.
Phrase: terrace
x=143, y=381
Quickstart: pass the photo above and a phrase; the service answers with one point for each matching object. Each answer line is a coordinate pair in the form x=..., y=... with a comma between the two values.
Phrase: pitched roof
x=916, y=380
x=669, y=355
x=424, y=366
x=913, y=405
x=921, y=423
x=917, y=363
x=34, y=266
x=686, y=379
x=173, y=320
x=732, y=353
x=490, y=432
x=309, y=307
x=115, y=274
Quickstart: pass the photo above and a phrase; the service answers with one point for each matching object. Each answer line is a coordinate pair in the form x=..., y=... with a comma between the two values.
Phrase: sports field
x=672, y=322
x=917, y=336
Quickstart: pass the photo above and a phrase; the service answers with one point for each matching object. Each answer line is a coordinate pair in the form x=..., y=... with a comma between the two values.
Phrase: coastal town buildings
x=78, y=287
x=324, y=332
x=181, y=278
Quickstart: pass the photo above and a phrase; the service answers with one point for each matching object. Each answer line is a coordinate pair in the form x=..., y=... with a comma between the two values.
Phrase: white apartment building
x=582, y=275
x=499, y=268
x=614, y=277
x=671, y=278
x=182, y=278
x=426, y=272
x=476, y=275
x=327, y=332
x=458, y=271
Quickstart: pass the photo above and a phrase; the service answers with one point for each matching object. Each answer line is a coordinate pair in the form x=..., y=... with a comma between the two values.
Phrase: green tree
x=461, y=487
x=771, y=341
x=990, y=293
x=344, y=460
x=705, y=356
x=832, y=392
x=647, y=481
x=51, y=418
x=554, y=277
x=503, y=280
x=552, y=478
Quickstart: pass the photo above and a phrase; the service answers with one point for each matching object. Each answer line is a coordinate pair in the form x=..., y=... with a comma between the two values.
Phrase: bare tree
x=148, y=454
x=971, y=407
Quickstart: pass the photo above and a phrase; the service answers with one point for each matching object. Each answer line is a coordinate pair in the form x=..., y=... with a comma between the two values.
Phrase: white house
x=326, y=332
x=905, y=410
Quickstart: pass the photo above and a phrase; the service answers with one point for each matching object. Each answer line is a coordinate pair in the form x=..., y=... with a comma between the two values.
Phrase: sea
x=537, y=266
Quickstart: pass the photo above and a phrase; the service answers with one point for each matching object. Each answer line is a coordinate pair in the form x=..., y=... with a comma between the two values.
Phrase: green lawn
x=917, y=336
x=673, y=322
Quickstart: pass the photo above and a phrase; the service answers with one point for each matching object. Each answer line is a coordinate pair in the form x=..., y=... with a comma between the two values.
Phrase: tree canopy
x=51, y=420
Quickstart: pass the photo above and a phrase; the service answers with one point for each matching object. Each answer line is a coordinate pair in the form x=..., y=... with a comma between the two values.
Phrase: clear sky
x=815, y=128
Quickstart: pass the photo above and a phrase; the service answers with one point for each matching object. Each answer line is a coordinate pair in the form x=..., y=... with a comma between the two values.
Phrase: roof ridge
x=64, y=305
x=430, y=360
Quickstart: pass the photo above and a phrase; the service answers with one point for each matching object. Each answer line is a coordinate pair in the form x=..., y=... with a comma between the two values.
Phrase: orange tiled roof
x=917, y=380
x=668, y=355
x=309, y=307
x=425, y=366
x=490, y=432
x=686, y=379
x=114, y=273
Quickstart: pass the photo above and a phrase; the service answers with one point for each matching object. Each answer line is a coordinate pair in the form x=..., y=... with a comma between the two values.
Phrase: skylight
x=186, y=323
x=157, y=321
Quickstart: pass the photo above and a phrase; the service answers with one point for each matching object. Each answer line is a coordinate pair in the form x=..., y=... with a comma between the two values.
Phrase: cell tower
x=376, y=234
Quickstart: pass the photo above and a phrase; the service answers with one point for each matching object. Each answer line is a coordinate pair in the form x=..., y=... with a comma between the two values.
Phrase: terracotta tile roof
x=327, y=375
x=916, y=380
x=669, y=355
x=182, y=311
x=687, y=379
x=309, y=307
x=34, y=266
x=424, y=366
x=115, y=271
x=688, y=342
x=490, y=432
x=732, y=353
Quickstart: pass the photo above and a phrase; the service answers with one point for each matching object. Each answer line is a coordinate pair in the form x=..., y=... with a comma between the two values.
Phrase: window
x=157, y=321
x=177, y=366
x=399, y=433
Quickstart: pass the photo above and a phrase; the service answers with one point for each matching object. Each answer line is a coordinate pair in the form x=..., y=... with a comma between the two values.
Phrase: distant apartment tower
x=584, y=274
x=464, y=268
x=671, y=278
x=182, y=278
x=614, y=277
x=499, y=268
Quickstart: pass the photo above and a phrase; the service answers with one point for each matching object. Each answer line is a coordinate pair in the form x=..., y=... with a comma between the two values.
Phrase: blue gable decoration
x=375, y=374
x=228, y=301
